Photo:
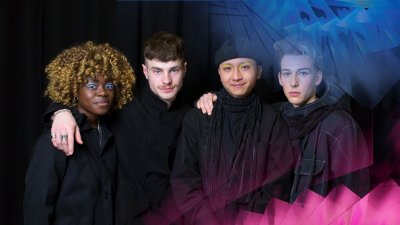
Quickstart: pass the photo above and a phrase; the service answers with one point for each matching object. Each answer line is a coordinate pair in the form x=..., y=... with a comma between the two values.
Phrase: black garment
x=77, y=189
x=272, y=161
x=333, y=151
x=146, y=134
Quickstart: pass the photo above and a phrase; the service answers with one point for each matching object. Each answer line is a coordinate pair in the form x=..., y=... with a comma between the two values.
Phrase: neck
x=93, y=121
x=169, y=103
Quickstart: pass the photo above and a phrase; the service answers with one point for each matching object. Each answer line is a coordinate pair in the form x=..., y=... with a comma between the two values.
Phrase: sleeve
x=351, y=158
x=281, y=161
x=46, y=117
x=186, y=180
x=42, y=181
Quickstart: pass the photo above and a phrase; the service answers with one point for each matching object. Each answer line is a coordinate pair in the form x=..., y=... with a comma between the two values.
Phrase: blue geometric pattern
x=360, y=40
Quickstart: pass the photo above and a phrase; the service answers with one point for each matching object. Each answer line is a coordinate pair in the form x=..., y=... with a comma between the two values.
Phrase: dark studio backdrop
x=33, y=32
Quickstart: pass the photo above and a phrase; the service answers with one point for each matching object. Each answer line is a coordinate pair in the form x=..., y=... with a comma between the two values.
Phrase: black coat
x=75, y=189
x=146, y=134
x=273, y=165
x=333, y=152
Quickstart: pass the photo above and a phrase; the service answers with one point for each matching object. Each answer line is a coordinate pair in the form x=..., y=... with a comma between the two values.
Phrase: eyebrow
x=174, y=68
x=305, y=68
x=155, y=68
x=169, y=69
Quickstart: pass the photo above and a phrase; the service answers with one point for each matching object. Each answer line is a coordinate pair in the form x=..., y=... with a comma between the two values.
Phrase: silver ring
x=53, y=135
x=64, y=137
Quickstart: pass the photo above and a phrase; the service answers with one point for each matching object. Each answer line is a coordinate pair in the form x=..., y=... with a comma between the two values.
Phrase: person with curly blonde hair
x=71, y=69
x=91, y=79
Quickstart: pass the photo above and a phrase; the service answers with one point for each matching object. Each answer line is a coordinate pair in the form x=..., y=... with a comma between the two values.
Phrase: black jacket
x=75, y=189
x=146, y=133
x=334, y=152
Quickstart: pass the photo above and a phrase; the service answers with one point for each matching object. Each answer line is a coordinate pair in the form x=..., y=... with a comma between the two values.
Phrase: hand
x=64, y=131
x=206, y=103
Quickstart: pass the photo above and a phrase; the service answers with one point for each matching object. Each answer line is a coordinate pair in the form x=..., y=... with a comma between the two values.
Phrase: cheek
x=178, y=79
x=308, y=88
x=82, y=94
x=111, y=94
x=152, y=81
x=224, y=77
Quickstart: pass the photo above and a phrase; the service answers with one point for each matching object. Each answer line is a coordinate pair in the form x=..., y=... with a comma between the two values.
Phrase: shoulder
x=340, y=122
x=340, y=117
x=194, y=114
x=270, y=110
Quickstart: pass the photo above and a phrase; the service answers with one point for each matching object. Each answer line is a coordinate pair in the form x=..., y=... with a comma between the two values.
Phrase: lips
x=294, y=94
x=102, y=103
x=167, y=89
x=237, y=85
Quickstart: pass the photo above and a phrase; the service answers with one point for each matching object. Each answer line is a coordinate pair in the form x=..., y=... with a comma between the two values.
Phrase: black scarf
x=300, y=125
x=240, y=178
x=302, y=120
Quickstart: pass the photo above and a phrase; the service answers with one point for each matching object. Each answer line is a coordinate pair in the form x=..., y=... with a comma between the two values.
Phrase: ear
x=318, y=78
x=184, y=69
x=259, y=71
x=144, y=68
x=219, y=72
x=279, y=78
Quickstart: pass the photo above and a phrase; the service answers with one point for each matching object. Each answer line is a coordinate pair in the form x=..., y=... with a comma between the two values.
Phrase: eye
x=109, y=86
x=227, y=68
x=91, y=86
x=155, y=71
x=304, y=73
x=286, y=74
x=245, y=67
x=175, y=70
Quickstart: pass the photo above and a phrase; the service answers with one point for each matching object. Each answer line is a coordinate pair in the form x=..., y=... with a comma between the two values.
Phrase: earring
x=75, y=99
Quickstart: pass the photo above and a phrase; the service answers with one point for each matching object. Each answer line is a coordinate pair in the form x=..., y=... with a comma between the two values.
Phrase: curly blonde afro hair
x=72, y=68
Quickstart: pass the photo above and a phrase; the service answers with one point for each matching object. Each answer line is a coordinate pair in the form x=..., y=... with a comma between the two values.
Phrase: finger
x=64, y=137
x=214, y=97
x=203, y=107
x=210, y=103
x=58, y=139
x=200, y=104
x=69, y=144
x=53, y=138
x=78, y=137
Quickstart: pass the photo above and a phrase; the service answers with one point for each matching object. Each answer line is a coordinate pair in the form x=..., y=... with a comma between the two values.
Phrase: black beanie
x=238, y=47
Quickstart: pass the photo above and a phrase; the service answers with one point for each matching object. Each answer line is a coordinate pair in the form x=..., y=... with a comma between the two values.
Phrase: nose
x=101, y=90
x=294, y=81
x=237, y=75
x=166, y=78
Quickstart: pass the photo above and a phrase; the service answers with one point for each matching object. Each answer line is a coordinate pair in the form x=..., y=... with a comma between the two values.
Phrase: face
x=239, y=76
x=165, y=78
x=95, y=97
x=299, y=79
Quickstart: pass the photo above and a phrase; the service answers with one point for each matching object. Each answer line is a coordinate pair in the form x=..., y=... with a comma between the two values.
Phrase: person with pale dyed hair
x=331, y=146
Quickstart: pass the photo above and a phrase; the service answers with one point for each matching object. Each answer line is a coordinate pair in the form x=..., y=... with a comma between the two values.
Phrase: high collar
x=152, y=102
x=233, y=104
x=81, y=120
x=330, y=95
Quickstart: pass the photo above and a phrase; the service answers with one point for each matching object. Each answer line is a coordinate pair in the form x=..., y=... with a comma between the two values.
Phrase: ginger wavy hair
x=71, y=69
